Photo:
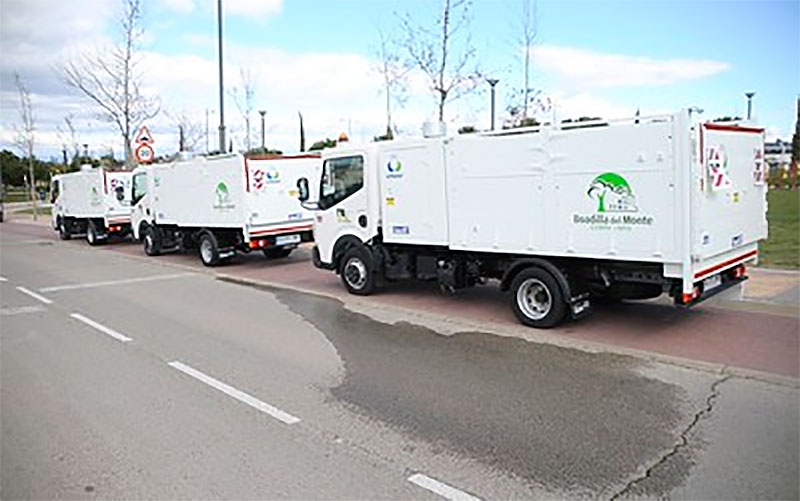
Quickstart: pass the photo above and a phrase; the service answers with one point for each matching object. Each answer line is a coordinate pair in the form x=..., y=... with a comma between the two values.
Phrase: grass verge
x=782, y=248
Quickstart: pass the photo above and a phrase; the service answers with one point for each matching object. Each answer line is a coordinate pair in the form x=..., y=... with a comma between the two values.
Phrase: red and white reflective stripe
x=287, y=229
x=725, y=264
x=734, y=128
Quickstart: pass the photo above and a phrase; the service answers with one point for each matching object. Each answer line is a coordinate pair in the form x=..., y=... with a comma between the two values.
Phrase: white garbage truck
x=92, y=201
x=559, y=215
x=221, y=204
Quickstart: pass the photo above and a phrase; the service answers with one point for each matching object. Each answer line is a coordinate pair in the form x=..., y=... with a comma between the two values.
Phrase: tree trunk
x=34, y=195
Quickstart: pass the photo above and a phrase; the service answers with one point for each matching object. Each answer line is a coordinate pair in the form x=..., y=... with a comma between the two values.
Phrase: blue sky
x=598, y=58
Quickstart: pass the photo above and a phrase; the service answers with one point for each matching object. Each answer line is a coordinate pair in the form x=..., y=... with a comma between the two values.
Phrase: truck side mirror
x=120, y=193
x=302, y=187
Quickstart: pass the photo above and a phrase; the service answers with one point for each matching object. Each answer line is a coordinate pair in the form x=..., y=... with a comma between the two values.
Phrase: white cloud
x=586, y=68
x=252, y=8
x=183, y=6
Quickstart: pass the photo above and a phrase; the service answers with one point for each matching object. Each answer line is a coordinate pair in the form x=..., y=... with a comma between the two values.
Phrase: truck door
x=55, y=199
x=730, y=205
x=343, y=203
x=140, y=201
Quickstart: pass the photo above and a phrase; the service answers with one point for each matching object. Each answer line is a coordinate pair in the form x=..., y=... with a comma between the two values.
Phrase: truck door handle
x=362, y=221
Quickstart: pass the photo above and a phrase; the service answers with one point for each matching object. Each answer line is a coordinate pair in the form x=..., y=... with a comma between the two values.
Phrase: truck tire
x=152, y=241
x=64, y=232
x=92, y=235
x=208, y=249
x=357, y=273
x=537, y=299
x=277, y=252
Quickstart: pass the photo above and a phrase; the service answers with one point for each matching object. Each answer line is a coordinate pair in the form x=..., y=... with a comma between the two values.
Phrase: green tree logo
x=223, y=196
x=613, y=193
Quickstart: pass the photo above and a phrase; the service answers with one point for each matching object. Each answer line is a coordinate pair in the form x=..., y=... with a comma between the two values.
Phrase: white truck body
x=686, y=201
x=92, y=201
x=246, y=203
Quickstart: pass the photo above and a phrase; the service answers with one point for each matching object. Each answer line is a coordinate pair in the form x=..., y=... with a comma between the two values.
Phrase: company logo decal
x=223, y=197
x=615, y=205
x=613, y=193
x=94, y=197
x=718, y=176
x=262, y=177
x=394, y=168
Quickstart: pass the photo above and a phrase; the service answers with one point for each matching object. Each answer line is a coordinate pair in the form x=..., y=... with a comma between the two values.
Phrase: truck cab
x=141, y=214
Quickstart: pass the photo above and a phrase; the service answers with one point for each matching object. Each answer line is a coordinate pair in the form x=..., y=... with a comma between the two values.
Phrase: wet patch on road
x=570, y=421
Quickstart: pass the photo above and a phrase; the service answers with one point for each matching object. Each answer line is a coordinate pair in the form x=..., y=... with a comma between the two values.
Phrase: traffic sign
x=144, y=136
x=144, y=153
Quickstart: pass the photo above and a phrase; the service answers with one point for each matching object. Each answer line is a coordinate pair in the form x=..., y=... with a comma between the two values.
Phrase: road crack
x=683, y=439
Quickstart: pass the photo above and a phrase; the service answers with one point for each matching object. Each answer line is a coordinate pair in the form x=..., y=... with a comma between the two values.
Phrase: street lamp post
x=221, y=95
x=492, y=82
x=263, y=144
x=749, y=96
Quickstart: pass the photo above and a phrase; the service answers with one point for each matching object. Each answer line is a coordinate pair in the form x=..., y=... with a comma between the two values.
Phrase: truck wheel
x=356, y=271
x=92, y=235
x=537, y=299
x=277, y=253
x=209, y=249
x=152, y=241
x=63, y=230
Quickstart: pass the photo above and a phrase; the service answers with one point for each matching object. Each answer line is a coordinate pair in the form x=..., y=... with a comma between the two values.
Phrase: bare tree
x=111, y=79
x=68, y=139
x=395, y=77
x=529, y=25
x=447, y=64
x=26, y=134
x=191, y=132
x=244, y=97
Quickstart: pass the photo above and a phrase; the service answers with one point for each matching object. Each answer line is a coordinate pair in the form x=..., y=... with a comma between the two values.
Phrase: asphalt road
x=127, y=378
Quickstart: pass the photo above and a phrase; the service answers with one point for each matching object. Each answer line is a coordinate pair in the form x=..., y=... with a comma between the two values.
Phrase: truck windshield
x=139, y=186
x=341, y=177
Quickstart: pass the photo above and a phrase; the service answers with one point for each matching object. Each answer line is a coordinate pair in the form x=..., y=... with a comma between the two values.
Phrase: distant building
x=778, y=156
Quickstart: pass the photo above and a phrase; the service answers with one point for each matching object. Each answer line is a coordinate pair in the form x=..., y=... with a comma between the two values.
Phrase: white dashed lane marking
x=237, y=394
x=90, y=285
x=440, y=488
x=34, y=295
x=20, y=310
x=102, y=328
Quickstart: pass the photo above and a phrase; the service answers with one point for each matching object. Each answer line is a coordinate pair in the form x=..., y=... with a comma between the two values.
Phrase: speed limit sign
x=144, y=153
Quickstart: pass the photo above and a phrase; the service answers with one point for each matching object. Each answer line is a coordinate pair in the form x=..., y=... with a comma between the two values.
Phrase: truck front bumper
x=315, y=258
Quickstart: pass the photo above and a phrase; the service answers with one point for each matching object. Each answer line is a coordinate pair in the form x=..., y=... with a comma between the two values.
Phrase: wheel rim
x=90, y=235
x=206, y=250
x=355, y=273
x=534, y=299
x=148, y=241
